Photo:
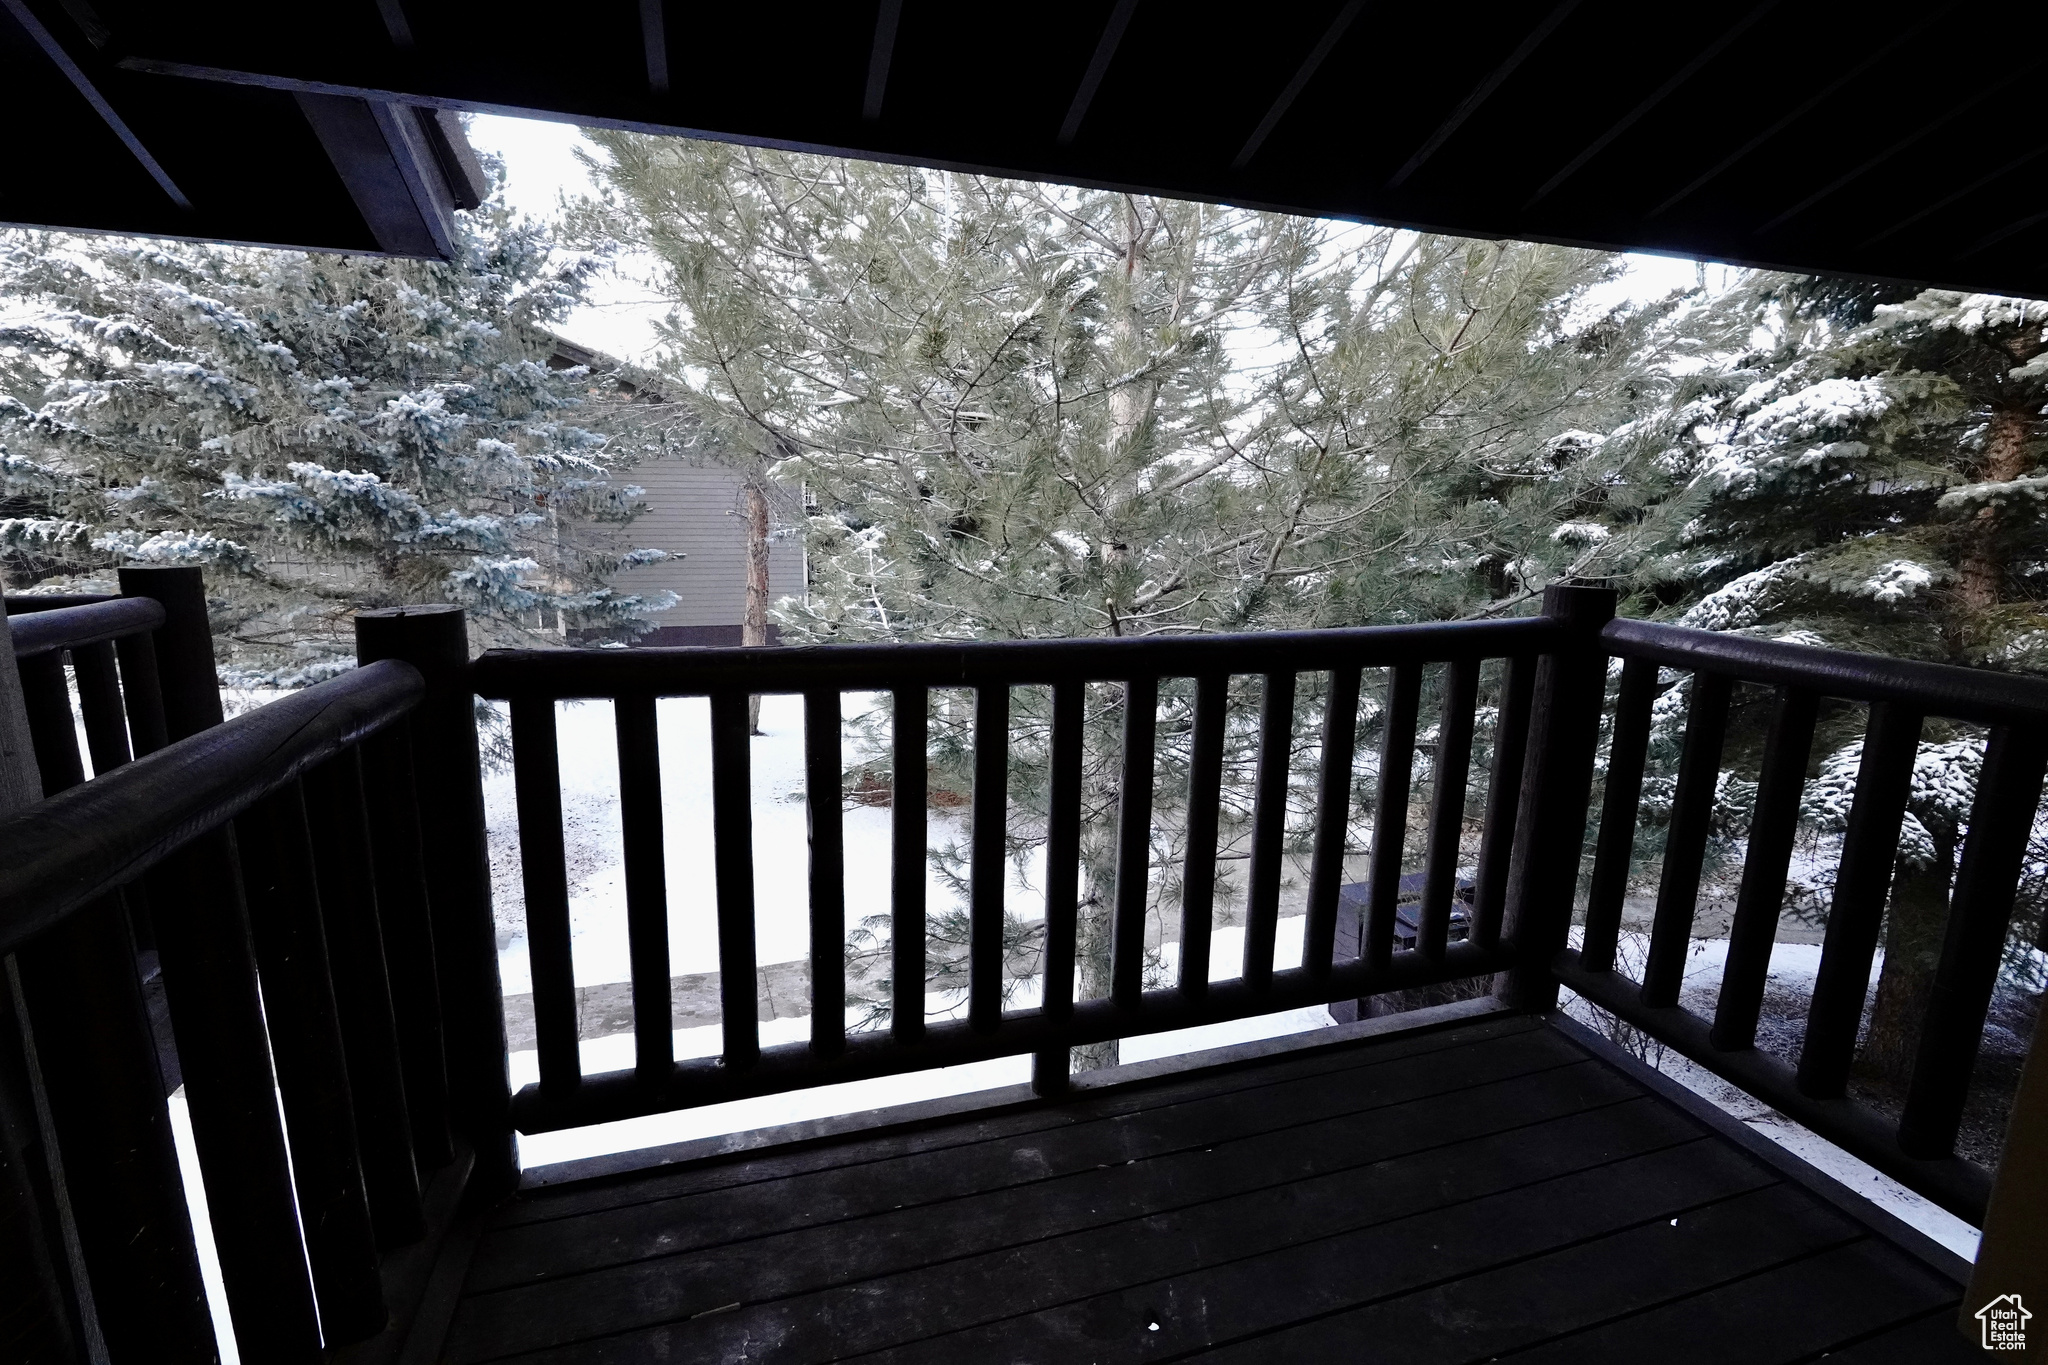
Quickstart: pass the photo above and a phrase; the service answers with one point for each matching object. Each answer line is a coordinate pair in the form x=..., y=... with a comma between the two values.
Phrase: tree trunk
x=1980, y=568
x=1092, y=939
x=1913, y=932
x=754, y=623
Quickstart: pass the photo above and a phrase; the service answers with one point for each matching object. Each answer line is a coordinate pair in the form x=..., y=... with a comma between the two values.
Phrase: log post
x=183, y=647
x=40, y=1323
x=2012, y=1260
x=448, y=770
x=78, y=1029
x=1557, y=784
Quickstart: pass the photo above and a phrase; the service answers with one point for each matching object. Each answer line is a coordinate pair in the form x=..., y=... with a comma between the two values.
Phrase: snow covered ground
x=597, y=909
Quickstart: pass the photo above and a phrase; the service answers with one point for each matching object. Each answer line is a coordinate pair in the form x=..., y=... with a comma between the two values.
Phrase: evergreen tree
x=1024, y=412
x=1860, y=466
x=323, y=433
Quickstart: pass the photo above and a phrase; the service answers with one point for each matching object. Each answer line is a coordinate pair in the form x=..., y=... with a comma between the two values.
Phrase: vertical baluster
x=143, y=694
x=1685, y=843
x=209, y=972
x=1453, y=768
x=732, y=837
x=88, y=1035
x=1205, y=795
x=1994, y=853
x=49, y=722
x=646, y=875
x=1773, y=826
x=45, y=1321
x=1269, y=828
x=138, y=722
x=405, y=917
x=1133, y=842
x=1884, y=781
x=537, y=784
x=448, y=779
x=1390, y=824
x=1557, y=787
x=99, y=703
x=1626, y=754
x=907, y=867
x=1333, y=819
x=1049, y=1068
x=824, y=803
x=362, y=991
x=990, y=823
x=312, y=1071
x=1503, y=798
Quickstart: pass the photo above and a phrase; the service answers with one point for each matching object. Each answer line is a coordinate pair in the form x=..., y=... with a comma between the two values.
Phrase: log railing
x=533, y=681
x=1919, y=1149
x=315, y=881
x=286, y=920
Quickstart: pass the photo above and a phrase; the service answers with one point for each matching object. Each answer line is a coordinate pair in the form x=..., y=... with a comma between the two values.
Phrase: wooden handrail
x=89, y=840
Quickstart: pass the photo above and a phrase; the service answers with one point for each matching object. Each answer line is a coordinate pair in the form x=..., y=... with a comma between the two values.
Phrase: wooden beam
x=1098, y=67
x=654, y=38
x=1302, y=76
x=1651, y=101
x=1872, y=162
x=1482, y=92
x=879, y=58
x=389, y=167
x=81, y=82
x=1798, y=112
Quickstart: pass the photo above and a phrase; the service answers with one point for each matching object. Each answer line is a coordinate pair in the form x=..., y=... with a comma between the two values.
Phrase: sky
x=542, y=169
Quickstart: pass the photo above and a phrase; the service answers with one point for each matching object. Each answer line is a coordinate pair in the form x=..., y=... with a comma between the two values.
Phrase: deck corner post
x=1557, y=783
x=189, y=684
x=2012, y=1258
x=448, y=772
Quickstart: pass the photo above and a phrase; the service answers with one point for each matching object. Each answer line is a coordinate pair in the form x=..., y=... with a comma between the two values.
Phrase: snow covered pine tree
x=1863, y=470
x=323, y=433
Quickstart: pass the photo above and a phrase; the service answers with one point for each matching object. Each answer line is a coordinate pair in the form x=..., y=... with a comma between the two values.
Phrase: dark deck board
x=1002, y=1164
x=650, y=1185
x=1784, y=1313
x=1932, y=1336
x=1488, y=1188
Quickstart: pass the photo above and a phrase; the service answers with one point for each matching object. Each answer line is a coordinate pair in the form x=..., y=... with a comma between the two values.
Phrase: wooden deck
x=1491, y=1188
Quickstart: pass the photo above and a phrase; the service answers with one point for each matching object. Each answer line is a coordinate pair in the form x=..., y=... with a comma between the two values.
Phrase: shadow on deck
x=1480, y=1185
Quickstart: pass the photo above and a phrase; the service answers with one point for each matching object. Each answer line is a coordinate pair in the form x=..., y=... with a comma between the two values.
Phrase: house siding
x=696, y=510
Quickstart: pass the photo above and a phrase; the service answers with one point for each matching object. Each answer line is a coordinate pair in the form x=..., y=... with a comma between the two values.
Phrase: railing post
x=183, y=647
x=1557, y=784
x=448, y=769
x=44, y=1323
x=83, y=1031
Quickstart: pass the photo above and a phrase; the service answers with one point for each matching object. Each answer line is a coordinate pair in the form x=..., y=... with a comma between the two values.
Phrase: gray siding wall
x=696, y=510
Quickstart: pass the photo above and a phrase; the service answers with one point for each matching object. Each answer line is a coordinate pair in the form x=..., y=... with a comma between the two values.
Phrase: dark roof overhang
x=1807, y=135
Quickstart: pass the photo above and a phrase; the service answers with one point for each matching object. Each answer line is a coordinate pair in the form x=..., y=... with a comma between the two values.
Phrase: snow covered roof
x=1809, y=137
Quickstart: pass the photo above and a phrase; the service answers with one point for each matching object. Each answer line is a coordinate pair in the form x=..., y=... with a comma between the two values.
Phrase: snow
x=202, y=1228
x=616, y=1053
x=599, y=949
x=2031, y=489
x=1832, y=406
x=1896, y=580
